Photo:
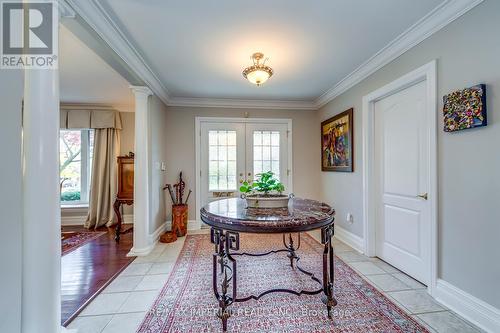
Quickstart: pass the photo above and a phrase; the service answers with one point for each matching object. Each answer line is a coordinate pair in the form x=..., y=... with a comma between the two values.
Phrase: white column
x=41, y=276
x=141, y=245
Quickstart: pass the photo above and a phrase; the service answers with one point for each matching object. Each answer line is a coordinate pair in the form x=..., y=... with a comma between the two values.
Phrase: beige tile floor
x=121, y=307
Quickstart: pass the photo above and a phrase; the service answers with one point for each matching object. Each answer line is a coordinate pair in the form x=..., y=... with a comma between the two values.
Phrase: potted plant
x=265, y=192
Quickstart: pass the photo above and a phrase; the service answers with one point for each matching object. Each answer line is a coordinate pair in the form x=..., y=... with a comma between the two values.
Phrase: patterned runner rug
x=187, y=303
x=72, y=240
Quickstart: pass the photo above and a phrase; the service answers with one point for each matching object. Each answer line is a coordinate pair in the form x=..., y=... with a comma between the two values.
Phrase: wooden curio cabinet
x=125, y=193
x=125, y=178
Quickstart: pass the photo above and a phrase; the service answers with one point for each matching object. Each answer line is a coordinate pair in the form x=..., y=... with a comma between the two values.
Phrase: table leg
x=224, y=241
x=328, y=268
x=290, y=246
x=118, y=228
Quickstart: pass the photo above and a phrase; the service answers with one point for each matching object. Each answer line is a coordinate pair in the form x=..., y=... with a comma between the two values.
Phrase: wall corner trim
x=438, y=18
x=478, y=312
x=350, y=239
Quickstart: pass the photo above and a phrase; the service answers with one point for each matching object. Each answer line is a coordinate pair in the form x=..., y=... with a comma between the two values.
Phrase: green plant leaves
x=265, y=183
x=245, y=187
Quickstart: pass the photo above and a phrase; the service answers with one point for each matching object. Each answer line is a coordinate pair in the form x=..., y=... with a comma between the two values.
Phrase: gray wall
x=181, y=146
x=11, y=94
x=468, y=52
x=157, y=154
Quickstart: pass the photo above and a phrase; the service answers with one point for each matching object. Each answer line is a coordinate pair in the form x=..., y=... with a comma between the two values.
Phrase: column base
x=141, y=252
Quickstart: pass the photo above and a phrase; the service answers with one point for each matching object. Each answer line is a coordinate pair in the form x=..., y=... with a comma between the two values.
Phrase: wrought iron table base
x=224, y=263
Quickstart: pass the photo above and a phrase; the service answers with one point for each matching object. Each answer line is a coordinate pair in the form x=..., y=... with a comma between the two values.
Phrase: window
x=75, y=165
x=266, y=152
x=222, y=160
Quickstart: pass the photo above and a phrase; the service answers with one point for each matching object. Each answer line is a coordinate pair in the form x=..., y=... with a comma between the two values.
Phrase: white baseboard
x=350, y=239
x=471, y=308
x=79, y=220
x=152, y=241
x=73, y=220
x=193, y=225
x=155, y=236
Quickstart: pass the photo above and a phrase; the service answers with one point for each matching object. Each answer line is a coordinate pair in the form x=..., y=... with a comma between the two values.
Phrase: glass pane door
x=267, y=150
x=222, y=160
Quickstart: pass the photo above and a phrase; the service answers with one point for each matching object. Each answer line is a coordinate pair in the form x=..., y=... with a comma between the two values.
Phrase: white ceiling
x=199, y=49
x=86, y=78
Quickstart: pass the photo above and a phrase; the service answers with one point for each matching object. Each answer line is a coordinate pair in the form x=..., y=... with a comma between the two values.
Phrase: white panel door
x=267, y=150
x=222, y=160
x=402, y=181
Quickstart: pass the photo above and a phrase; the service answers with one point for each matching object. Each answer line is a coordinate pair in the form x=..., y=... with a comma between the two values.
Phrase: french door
x=233, y=152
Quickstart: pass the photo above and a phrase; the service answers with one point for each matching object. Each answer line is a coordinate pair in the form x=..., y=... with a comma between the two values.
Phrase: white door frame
x=197, y=127
x=428, y=74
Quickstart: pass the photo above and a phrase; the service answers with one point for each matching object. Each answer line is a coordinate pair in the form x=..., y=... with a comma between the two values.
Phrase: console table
x=228, y=217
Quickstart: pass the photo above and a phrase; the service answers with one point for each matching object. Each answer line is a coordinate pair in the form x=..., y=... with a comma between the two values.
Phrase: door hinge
x=200, y=173
x=287, y=133
x=288, y=171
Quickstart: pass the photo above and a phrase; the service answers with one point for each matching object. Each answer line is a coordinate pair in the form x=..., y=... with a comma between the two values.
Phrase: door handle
x=423, y=196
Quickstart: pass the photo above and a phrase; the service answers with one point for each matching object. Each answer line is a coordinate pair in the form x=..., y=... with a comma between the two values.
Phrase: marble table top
x=301, y=215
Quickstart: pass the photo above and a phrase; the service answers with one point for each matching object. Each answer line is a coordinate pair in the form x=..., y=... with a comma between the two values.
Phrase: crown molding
x=101, y=21
x=65, y=10
x=141, y=90
x=95, y=15
x=438, y=18
x=242, y=103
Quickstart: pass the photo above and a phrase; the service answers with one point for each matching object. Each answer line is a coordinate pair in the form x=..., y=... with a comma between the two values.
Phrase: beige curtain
x=104, y=179
x=82, y=118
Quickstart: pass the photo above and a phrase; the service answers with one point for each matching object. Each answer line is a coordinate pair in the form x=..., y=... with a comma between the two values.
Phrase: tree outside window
x=75, y=155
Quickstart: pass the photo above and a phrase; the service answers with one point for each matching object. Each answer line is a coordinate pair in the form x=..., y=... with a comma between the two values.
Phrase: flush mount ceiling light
x=259, y=72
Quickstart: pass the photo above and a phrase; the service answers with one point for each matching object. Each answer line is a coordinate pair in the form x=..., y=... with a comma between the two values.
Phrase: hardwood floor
x=90, y=268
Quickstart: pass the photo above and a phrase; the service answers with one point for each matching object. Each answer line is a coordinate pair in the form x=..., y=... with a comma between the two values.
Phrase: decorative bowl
x=267, y=201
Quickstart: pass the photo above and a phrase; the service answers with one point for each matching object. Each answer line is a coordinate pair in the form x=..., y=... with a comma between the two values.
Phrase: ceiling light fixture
x=259, y=72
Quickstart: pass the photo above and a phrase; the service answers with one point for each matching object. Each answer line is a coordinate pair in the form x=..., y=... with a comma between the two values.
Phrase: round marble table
x=228, y=217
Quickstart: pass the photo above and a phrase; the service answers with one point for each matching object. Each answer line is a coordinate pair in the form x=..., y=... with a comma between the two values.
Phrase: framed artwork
x=337, y=143
x=465, y=109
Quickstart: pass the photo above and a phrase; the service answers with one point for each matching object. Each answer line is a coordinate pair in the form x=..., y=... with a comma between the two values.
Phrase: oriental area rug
x=187, y=303
x=72, y=240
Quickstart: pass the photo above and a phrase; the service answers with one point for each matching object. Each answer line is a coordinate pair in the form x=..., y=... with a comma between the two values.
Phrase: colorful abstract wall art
x=337, y=143
x=465, y=108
